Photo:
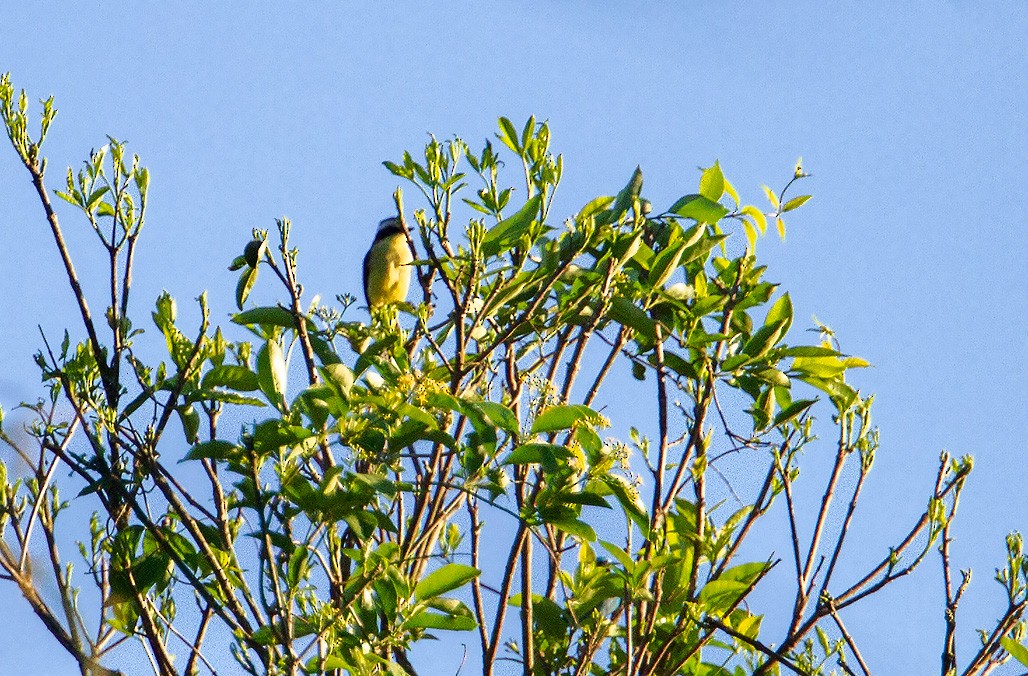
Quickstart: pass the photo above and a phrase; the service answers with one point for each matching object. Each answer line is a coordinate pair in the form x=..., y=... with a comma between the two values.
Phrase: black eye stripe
x=388, y=231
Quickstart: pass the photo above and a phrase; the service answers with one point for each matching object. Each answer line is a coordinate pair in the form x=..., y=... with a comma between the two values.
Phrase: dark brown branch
x=770, y=652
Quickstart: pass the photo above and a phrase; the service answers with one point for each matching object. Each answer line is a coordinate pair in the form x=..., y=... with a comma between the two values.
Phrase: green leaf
x=507, y=232
x=620, y=554
x=701, y=248
x=795, y=203
x=429, y=620
x=764, y=339
x=266, y=316
x=527, y=131
x=509, y=135
x=721, y=595
x=629, y=498
x=625, y=312
x=822, y=638
x=271, y=371
x=237, y=378
x=397, y=170
x=245, y=285
x=712, y=183
x=781, y=311
x=339, y=376
x=213, y=450
x=772, y=376
x=576, y=527
x=273, y=434
x=841, y=394
x=809, y=351
x=751, y=235
x=757, y=215
x=549, y=617
x=499, y=415
x=582, y=498
x=70, y=198
x=746, y=573
x=190, y=422
x=323, y=349
x=699, y=208
x=233, y=398
x=680, y=365
x=562, y=417
x=1017, y=650
x=546, y=455
x=416, y=414
x=624, y=199
x=665, y=264
x=449, y=577
x=627, y=247
x=323, y=665
x=793, y=410
x=735, y=361
x=95, y=198
x=595, y=206
x=821, y=367
x=299, y=567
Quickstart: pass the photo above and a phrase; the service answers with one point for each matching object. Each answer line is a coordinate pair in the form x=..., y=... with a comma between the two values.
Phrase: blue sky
x=909, y=115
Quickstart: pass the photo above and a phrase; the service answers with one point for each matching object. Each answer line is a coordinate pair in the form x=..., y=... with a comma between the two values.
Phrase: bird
x=387, y=265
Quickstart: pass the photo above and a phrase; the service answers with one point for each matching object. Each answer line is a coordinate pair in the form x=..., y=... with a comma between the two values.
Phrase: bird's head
x=388, y=226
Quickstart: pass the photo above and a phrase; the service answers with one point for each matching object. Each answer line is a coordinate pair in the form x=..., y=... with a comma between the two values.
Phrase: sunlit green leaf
x=575, y=527
x=509, y=135
x=624, y=199
x=625, y=312
x=213, y=450
x=510, y=230
x=757, y=215
x=795, y=203
x=238, y=378
x=841, y=394
x=751, y=235
x=781, y=311
x=665, y=264
x=499, y=415
x=430, y=620
x=699, y=208
x=1017, y=650
x=271, y=371
x=546, y=455
x=561, y=417
x=268, y=316
x=764, y=338
x=793, y=410
x=712, y=183
x=719, y=596
x=808, y=351
x=450, y=576
x=582, y=498
x=595, y=206
x=245, y=285
x=338, y=376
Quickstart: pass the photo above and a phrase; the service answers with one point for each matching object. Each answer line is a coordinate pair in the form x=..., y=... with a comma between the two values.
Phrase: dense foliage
x=447, y=466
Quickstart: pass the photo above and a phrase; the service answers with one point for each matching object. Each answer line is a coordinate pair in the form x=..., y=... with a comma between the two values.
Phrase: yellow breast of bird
x=388, y=282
